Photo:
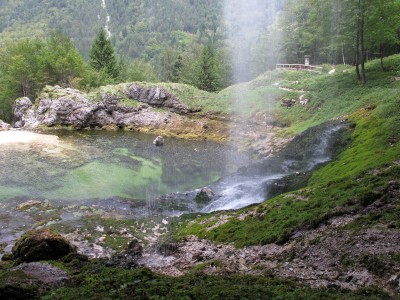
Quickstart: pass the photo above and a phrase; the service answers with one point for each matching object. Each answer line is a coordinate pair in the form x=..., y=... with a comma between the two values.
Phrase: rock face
x=156, y=96
x=41, y=244
x=69, y=107
x=4, y=126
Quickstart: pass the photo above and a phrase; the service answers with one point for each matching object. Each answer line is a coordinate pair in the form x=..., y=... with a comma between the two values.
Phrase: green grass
x=98, y=282
x=357, y=177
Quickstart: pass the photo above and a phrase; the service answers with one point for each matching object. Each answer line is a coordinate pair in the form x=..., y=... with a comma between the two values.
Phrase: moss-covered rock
x=41, y=244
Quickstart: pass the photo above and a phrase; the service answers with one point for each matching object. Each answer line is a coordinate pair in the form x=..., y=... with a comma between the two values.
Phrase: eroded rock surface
x=156, y=96
x=69, y=107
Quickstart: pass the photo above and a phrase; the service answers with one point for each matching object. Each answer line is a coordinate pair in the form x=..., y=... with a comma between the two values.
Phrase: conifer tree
x=102, y=56
x=208, y=73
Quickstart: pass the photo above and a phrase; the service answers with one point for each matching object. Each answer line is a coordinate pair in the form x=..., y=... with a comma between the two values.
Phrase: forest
x=182, y=41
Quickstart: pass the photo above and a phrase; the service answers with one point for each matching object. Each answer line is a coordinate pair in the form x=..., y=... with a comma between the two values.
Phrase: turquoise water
x=103, y=165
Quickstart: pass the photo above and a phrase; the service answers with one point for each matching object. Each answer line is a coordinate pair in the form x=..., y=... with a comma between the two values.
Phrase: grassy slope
x=113, y=283
x=358, y=176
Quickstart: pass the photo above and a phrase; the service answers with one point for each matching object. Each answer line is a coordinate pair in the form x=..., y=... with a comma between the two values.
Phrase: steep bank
x=342, y=229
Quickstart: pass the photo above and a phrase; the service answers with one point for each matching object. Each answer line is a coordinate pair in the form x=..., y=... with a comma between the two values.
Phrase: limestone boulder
x=24, y=114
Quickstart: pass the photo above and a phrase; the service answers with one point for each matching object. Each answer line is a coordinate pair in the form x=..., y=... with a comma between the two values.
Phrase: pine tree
x=102, y=56
x=208, y=73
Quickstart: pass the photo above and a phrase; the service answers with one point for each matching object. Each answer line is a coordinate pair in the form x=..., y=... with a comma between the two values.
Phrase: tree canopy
x=102, y=56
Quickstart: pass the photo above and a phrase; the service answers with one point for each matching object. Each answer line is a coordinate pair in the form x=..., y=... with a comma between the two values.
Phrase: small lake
x=98, y=165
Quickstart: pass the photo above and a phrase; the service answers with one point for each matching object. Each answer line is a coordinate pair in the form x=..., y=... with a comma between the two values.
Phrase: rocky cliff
x=69, y=107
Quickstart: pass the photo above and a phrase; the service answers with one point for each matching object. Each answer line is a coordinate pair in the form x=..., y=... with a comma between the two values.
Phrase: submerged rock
x=204, y=196
x=159, y=141
x=28, y=204
x=41, y=244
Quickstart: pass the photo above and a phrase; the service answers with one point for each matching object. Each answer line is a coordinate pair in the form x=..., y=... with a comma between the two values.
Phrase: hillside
x=334, y=238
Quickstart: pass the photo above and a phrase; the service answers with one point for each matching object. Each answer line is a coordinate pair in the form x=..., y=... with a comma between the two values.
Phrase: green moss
x=110, y=283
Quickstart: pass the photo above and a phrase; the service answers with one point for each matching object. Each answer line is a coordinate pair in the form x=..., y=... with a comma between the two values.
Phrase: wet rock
x=4, y=126
x=44, y=272
x=41, y=244
x=204, y=196
x=135, y=248
x=159, y=141
x=28, y=204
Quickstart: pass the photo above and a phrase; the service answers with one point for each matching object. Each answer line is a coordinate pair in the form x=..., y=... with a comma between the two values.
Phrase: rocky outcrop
x=156, y=96
x=69, y=107
x=4, y=126
x=41, y=244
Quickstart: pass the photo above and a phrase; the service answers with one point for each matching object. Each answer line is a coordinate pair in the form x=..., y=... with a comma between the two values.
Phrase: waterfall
x=108, y=19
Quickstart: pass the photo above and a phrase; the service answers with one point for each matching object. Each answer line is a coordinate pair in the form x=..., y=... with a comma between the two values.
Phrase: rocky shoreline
x=144, y=109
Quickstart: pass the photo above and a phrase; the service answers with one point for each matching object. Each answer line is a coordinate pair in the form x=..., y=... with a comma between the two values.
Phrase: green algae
x=103, y=180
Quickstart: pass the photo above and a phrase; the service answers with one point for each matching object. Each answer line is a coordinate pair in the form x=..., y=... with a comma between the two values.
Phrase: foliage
x=28, y=65
x=208, y=79
x=102, y=56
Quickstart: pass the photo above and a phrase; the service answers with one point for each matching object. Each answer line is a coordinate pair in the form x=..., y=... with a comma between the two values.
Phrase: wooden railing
x=298, y=67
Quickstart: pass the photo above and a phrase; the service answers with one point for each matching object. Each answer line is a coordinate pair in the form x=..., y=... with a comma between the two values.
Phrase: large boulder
x=24, y=114
x=41, y=244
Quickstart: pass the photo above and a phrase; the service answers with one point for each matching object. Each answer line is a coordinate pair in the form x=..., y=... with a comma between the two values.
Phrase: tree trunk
x=344, y=61
x=358, y=76
x=363, y=77
x=381, y=56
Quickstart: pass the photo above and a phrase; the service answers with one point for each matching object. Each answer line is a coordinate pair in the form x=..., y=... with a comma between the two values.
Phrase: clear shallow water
x=103, y=165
